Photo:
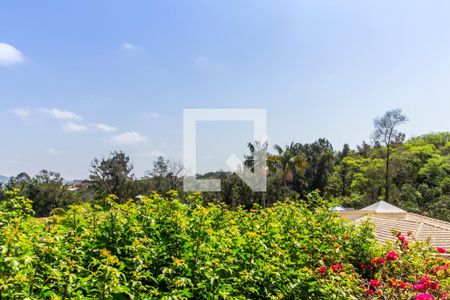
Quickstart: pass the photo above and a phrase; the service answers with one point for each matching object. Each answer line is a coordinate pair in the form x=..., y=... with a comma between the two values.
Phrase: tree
x=167, y=174
x=258, y=155
x=20, y=181
x=47, y=191
x=320, y=158
x=387, y=134
x=343, y=170
x=113, y=175
x=289, y=162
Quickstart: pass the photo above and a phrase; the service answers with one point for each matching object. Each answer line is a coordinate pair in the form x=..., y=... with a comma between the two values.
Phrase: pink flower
x=392, y=255
x=375, y=283
x=441, y=250
x=419, y=287
x=444, y=296
x=366, y=266
x=425, y=296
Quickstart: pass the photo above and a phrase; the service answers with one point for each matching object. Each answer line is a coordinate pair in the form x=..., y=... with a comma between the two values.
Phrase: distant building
x=79, y=184
x=388, y=218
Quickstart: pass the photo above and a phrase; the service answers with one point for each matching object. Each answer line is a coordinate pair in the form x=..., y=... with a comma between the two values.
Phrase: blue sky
x=81, y=78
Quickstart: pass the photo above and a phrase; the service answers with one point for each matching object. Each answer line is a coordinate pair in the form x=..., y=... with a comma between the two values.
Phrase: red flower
x=337, y=268
x=379, y=260
x=441, y=250
x=425, y=296
x=402, y=285
x=322, y=270
x=375, y=283
x=434, y=285
x=370, y=292
x=392, y=255
x=425, y=279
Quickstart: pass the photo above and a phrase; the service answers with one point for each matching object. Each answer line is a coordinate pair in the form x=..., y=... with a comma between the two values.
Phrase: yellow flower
x=252, y=234
x=181, y=282
x=110, y=259
x=105, y=253
x=178, y=262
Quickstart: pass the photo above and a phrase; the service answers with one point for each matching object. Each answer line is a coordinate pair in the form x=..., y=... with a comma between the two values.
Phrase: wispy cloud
x=103, y=127
x=22, y=112
x=126, y=138
x=61, y=114
x=148, y=115
x=53, y=151
x=55, y=113
x=128, y=46
x=9, y=55
x=72, y=127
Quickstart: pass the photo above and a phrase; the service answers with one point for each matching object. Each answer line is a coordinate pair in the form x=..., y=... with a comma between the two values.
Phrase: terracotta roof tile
x=422, y=228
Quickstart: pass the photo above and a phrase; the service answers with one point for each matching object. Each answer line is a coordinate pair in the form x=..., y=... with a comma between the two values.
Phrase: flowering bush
x=164, y=248
x=411, y=270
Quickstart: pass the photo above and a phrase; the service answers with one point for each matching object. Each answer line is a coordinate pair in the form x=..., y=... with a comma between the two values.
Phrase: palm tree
x=258, y=155
x=289, y=161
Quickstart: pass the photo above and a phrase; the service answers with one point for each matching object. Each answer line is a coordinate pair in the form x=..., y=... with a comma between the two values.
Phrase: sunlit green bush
x=165, y=248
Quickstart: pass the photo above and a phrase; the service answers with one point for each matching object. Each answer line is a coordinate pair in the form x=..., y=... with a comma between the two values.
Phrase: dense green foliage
x=164, y=248
x=419, y=178
x=47, y=190
x=412, y=174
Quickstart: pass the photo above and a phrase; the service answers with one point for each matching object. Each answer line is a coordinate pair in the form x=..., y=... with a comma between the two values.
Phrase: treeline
x=412, y=174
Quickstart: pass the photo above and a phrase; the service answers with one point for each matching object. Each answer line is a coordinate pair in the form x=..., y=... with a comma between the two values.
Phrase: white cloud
x=148, y=115
x=128, y=46
x=61, y=114
x=104, y=127
x=154, y=154
x=9, y=55
x=126, y=138
x=22, y=112
x=53, y=151
x=72, y=127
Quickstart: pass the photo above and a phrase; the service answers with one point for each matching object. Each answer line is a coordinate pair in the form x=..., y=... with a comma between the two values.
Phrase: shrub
x=165, y=248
